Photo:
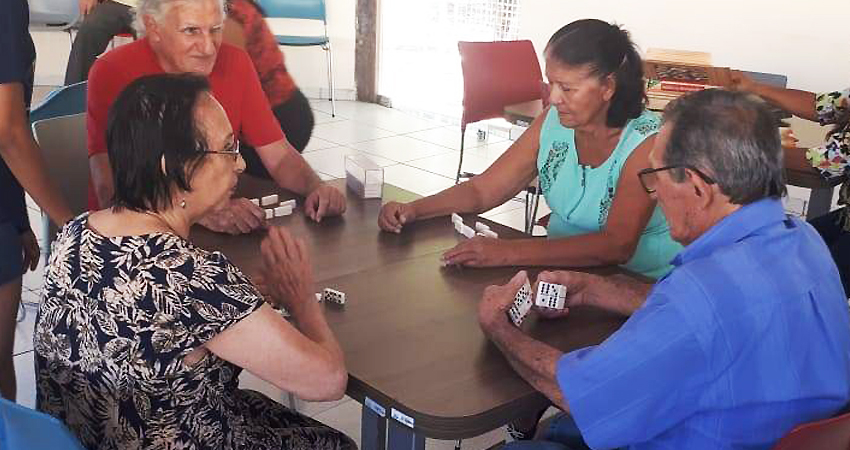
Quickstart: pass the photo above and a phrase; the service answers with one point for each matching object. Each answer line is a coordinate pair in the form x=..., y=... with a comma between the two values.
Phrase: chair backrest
x=294, y=9
x=827, y=434
x=22, y=428
x=496, y=74
x=63, y=144
x=58, y=13
x=64, y=101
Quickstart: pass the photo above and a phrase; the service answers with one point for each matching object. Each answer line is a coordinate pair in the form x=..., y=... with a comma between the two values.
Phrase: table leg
x=402, y=437
x=820, y=201
x=373, y=426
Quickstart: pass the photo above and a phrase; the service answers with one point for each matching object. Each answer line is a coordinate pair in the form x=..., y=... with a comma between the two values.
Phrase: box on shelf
x=363, y=176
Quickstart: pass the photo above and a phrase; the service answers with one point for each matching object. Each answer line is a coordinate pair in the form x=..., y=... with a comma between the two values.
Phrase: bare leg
x=10, y=298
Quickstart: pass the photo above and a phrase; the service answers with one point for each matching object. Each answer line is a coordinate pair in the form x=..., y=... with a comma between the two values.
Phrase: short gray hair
x=731, y=137
x=156, y=9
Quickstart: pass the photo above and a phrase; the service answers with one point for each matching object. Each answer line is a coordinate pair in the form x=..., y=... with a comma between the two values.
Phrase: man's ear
x=704, y=192
x=151, y=28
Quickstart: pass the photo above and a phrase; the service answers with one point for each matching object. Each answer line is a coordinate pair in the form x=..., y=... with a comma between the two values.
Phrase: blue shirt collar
x=733, y=228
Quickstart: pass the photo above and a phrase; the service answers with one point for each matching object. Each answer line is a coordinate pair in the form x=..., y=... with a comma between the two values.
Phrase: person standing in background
x=21, y=167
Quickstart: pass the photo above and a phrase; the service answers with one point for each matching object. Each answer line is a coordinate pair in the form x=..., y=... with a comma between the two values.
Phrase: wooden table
x=820, y=197
x=416, y=356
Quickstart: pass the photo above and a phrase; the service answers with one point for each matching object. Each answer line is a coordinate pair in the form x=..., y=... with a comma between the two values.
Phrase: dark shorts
x=11, y=253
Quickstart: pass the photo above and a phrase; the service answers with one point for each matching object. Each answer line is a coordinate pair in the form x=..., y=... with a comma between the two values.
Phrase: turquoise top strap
x=580, y=196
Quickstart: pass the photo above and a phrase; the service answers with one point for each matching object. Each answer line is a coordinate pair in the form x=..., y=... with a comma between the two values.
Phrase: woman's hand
x=395, y=215
x=287, y=275
x=480, y=252
x=31, y=250
x=238, y=216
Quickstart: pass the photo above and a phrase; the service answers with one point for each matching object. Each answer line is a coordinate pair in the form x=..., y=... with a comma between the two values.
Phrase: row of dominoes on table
x=277, y=208
x=549, y=295
x=481, y=229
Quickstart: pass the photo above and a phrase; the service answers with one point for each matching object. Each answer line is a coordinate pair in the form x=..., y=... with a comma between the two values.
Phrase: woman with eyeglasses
x=586, y=149
x=141, y=335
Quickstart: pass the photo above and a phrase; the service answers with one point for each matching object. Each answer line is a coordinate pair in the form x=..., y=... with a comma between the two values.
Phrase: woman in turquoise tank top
x=586, y=148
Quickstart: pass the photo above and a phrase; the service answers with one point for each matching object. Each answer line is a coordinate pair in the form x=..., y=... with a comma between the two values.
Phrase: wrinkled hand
x=578, y=284
x=480, y=252
x=494, y=305
x=739, y=81
x=395, y=215
x=787, y=137
x=86, y=6
x=238, y=216
x=31, y=250
x=324, y=201
x=287, y=277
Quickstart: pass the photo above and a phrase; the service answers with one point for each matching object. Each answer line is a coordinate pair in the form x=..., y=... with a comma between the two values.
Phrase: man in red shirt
x=185, y=36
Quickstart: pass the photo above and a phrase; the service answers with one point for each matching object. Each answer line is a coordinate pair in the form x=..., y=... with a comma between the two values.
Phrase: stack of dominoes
x=522, y=304
x=274, y=207
x=469, y=232
x=551, y=295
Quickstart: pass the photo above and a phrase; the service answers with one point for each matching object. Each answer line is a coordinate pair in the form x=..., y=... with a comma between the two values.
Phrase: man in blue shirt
x=747, y=337
x=20, y=164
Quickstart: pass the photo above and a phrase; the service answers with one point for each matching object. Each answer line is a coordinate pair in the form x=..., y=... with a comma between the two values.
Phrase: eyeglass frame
x=650, y=170
x=235, y=152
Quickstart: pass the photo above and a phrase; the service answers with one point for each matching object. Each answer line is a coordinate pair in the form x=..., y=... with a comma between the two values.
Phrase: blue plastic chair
x=22, y=428
x=65, y=101
x=309, y=10
x=59, y=15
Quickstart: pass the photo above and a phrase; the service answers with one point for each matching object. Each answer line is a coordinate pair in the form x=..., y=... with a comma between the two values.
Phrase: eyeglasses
x=649, y=178
x=233, y=151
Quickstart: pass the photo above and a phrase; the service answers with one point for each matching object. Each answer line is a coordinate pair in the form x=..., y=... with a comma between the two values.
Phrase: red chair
x=497, y=74
x=827, y=434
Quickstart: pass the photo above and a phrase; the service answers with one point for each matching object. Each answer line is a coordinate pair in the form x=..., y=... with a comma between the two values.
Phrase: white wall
x=307, y=64
x=807, y=41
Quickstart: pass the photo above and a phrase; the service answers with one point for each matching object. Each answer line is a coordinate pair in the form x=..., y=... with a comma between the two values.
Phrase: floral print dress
x=833, y=157
x=118, y=316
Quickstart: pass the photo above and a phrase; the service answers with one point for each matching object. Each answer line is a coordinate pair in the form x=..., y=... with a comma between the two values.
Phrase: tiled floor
x=416, y=154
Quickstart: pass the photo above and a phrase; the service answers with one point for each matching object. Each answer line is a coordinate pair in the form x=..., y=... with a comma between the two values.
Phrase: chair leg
x=331, y=86
x=460, y=159
x=532, y=201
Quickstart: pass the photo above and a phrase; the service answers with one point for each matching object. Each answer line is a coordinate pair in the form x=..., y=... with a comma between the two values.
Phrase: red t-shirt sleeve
x=259, y=125
x=99, y=97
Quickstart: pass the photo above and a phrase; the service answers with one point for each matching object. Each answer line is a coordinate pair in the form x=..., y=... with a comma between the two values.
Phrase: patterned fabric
x=118, y=316
x=832, y=158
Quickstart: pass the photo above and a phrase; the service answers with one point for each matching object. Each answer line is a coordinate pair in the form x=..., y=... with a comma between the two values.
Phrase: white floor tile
x=446, y=164
x=416, y=180
x=345, y=418
x=401, y=148
x=33, y=280
x=325, y=176
x=346, y=109
x=332, y=160
x=394, y=121
x=317, y=144
x=348, y=132
x=25, y=374
x=450, y=137
x=514, y=218
x=325, y=117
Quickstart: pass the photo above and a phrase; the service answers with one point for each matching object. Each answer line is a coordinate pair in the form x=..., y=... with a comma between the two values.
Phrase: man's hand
x=739, y=81
x=86, y=6
x=31, y=250
x=492, y=310
x=480, y=252
x=580, y=287
x=287, y=276
x=324, y=201
x=395, y=215
x=239, y=216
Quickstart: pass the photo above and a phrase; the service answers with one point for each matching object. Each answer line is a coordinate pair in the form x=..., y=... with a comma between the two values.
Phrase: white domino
x=489, y=234
x=456, y=219
x=269, y=200
x=255, y=201
x=551, y=295
x=318, y=297
x=333, y=296
x=467, y=231
x=521, y=305
x=480, y=227
x=281, y=211
x=288, y=204
x=269, y=213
